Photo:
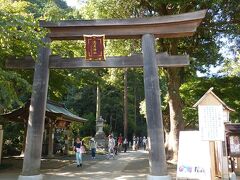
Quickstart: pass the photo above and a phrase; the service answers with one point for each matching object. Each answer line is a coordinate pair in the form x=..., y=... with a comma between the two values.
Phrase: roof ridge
x=49, y=101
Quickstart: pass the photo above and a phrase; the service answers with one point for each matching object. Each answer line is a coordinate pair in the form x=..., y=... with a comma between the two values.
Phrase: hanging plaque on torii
x=94, y=47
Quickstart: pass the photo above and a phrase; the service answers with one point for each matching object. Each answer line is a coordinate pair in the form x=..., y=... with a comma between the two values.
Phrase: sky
x=75, y=3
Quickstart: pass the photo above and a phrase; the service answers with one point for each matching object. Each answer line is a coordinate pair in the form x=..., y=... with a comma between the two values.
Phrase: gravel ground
x=126, y=166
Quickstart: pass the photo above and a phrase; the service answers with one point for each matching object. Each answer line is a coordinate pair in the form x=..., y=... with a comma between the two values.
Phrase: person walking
x=147, y=144
x=144, y=143
x=137, y=143
x=78, y=146
x=134, y=143
x=125, y=144
x=111, y=145
x=120, y=142
x=93, y=146
x=140, y=142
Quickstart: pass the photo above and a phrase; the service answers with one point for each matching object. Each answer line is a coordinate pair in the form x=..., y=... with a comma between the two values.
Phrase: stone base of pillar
x=35, y=177
x=100, y=135
x=151, y=177
x=50, y=156
x=232, y=176
x=101, y=140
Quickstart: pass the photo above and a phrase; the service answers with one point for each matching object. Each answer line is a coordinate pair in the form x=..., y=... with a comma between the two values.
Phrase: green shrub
x=86, y=142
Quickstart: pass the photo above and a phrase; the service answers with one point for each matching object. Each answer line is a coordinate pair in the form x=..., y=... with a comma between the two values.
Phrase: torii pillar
x=157, y=158
x=33, y=147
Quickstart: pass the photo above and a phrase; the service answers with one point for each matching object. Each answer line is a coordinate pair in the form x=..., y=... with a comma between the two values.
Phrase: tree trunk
x=50, y=138
x=125, y=124
x=175, y=110
x=111, y=123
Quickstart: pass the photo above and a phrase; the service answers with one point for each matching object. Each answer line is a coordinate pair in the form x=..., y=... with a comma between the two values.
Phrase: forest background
x=216, y=44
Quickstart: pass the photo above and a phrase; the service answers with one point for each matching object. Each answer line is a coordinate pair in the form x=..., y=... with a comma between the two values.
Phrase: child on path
x=125, y=144
x=93, y=146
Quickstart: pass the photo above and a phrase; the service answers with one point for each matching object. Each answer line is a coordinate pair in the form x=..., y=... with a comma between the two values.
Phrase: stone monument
x=100, y=136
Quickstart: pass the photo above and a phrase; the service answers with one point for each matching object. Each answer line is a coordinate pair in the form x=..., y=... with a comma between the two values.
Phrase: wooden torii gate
x=145, y=28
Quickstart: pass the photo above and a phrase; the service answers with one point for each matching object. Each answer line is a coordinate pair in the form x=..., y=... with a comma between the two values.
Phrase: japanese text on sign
x=94, y=47
x=211, y=124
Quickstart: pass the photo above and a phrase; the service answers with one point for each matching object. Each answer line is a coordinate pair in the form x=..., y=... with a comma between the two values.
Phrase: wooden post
x=50, y=138
x=24, y=136
x=157, y=158
x=66, y=142
x=213, y=159
x=33, y=148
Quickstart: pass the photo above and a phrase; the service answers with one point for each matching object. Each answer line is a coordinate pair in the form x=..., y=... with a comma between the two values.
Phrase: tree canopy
x=20, y=35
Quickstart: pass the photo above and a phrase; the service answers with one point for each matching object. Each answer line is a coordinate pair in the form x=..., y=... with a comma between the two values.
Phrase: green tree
x=20, y=35
x=232, y=66
x=224, y=88
x=204, y=46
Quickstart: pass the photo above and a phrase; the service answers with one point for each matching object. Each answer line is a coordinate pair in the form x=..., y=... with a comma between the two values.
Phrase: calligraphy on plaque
x=94, y=47
x=211, y=125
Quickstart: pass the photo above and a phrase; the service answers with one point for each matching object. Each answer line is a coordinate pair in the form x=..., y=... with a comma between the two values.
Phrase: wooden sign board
x=61, y=124
x=94, y=47
x=211, y=123
x=194, y=161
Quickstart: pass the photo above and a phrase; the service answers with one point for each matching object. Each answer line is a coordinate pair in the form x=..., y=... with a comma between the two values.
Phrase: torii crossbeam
x=145, y=28
x=56, y=62
x=161, y=27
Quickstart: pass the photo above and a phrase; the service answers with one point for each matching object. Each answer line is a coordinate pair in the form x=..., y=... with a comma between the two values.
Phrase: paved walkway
x=131, y=165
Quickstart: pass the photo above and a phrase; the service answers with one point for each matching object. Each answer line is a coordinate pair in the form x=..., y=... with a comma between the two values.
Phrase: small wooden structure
x=218, y=151
x=232, y=134
x=210, y=98
x=233, y=145
x=57, y=116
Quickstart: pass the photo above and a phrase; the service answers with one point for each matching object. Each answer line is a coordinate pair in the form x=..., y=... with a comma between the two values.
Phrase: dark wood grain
x=157, y=157
x=36, y=119
x=162, y=27
x=56, y=62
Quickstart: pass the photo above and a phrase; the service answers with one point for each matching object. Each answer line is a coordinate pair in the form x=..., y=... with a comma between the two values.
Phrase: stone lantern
x=99, y=125
x=100, y=136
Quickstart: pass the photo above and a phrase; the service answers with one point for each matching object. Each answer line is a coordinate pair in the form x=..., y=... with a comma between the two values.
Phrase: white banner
x=211, y=125
x=194, y=160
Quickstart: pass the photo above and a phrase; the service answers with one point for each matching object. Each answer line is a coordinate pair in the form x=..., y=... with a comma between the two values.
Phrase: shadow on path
x=130, y=165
